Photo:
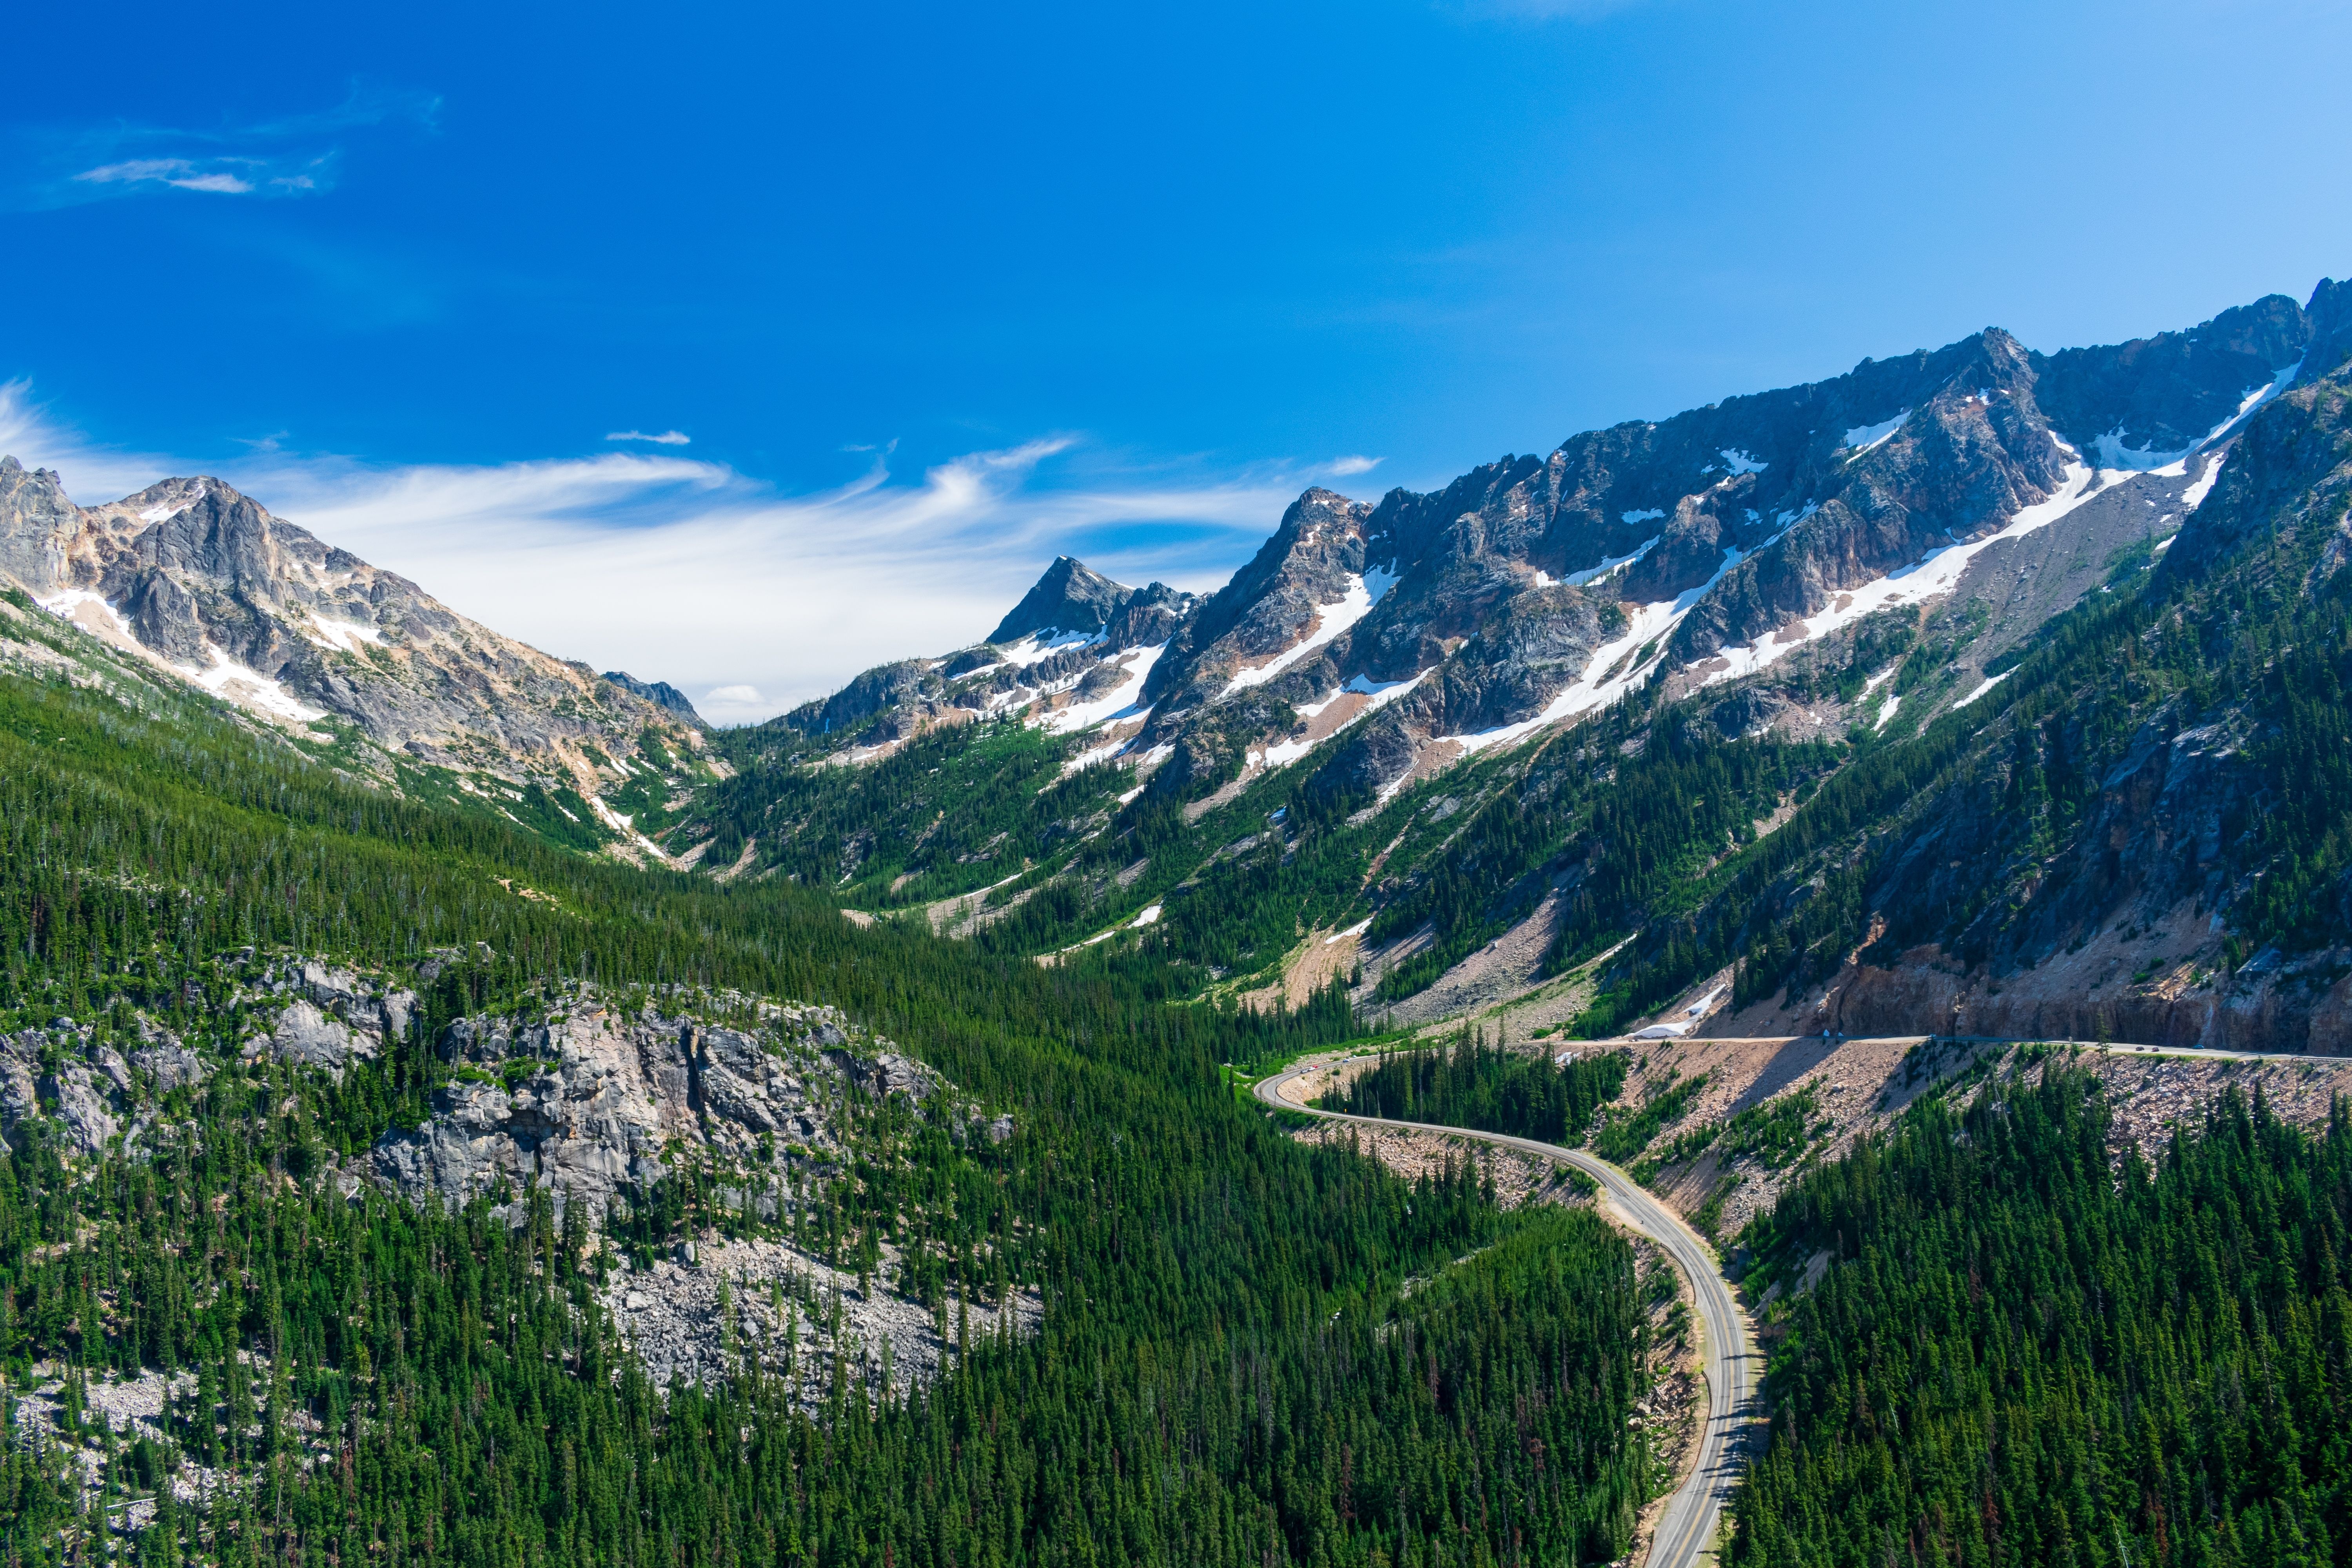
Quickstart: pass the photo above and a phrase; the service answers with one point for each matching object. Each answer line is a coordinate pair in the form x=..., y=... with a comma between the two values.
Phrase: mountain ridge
x=1757, y=600
x=203, y=584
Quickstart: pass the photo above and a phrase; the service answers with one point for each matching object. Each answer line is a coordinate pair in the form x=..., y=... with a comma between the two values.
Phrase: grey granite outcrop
x=588, y=1102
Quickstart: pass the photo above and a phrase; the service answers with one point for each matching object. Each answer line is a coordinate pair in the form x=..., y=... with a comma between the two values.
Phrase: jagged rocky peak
x=203, y=581
x=1305, y=585
x=1699, y=548
x=660, y=693
x=1070, y=600
x=1073, y=603
x=2149, y=402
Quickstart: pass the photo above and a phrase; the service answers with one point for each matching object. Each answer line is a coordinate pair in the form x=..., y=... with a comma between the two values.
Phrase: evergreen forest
x=1252, y=1350
x=2020, y=1351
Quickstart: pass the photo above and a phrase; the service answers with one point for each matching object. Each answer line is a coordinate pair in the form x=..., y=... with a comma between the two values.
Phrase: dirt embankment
x=1516, y=1178
x=2164, y=984
x=1860, y=1086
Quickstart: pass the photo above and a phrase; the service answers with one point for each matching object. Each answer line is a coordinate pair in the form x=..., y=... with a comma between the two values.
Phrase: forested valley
x=962, y=1045
x=1251, y=1350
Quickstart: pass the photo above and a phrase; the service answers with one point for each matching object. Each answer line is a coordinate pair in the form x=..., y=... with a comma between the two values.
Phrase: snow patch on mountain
x=345, y=636
x=1330, y=620
x=2194, y=496
x=248, y=688
x=1986, y=685
x=622, y=824
x=2113, y=454
x=1282, y=753
x=1120, y=703
x=1045, y=643
x=2255, y=398
x=88, y=611
x=1087, y=758
x=1594, y=573
x=1862, y=437
x=1931, y=576
x=1615, y=668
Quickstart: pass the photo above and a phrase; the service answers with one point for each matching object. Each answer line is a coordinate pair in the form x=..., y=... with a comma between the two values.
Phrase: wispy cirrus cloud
x=227, y=177
x=1343, y=467
x=666, y=439
x=289, y=155
x=750, y=598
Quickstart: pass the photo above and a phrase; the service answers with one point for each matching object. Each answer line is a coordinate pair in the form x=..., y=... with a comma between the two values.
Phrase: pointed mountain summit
x=1071, y=600
x=1694, y=551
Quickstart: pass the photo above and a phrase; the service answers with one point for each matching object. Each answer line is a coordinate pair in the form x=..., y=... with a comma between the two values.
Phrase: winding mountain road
x=1688, y=1527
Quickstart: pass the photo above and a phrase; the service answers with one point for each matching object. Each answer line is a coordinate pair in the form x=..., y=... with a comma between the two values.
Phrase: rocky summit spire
x=1070, y=598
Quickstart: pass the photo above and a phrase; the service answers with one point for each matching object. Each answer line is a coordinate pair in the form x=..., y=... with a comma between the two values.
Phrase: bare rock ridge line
x=1863, y=558
x=1695, y=549
x=204, y=583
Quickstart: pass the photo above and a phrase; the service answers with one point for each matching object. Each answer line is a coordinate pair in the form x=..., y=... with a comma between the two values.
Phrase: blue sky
x=934, y=292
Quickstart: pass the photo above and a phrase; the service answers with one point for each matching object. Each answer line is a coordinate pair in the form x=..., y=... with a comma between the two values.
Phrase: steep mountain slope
x=205, y=583
x=1576, y=700
x=383, y=1181
x=2146, y=836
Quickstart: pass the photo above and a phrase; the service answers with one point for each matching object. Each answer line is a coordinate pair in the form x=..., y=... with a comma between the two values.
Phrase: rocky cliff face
x=93, y=1082
x=1070, y=601
x=1846, y=562
x=599, y=1107
x=764, y=1108
x=2077, y=870
x=204, y=581
x=590, y=1104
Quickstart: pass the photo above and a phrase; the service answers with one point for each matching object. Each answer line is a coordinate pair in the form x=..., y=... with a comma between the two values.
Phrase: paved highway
x=1688, y=1526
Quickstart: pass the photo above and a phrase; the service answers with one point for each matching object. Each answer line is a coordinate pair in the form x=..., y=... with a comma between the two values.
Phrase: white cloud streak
x=666, y=439
x=687, y=571
x=292, y=155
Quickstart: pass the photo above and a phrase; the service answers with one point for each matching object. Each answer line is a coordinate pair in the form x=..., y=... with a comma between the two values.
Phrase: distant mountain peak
x=201, y=580
x=1070, y=598
x=660, y=693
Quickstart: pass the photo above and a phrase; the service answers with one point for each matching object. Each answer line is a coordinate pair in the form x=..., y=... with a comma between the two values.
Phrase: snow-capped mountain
x=1843, y=563
x=195, y=578
x=1696, y=551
